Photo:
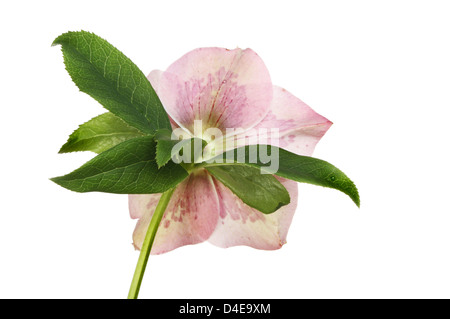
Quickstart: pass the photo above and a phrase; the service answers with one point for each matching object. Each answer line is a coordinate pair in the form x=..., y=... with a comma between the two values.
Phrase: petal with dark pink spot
x=300, y=127
x=223, y=88
x=190, y=217
x=240, y=224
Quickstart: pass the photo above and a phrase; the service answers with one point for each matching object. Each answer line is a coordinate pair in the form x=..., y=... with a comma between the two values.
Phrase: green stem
x=148, y=242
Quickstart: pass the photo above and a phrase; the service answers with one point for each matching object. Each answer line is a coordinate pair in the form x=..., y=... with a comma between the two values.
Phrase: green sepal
x=260, y=191
x=168, y=148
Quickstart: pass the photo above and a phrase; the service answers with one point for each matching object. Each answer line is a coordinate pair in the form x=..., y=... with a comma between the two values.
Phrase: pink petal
x=223, y=88
x=154, y=78
x=190, y=217
x=300, y=127
x=139, y=204
x=240, y=224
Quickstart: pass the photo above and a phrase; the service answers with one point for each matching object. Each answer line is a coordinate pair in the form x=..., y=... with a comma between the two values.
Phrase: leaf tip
x=354, y=194
x=160, y=162
x=58, y=39
x=63, y=149
x=357, y=201
x=56, y=180
x=67, y=35
x=280, y=204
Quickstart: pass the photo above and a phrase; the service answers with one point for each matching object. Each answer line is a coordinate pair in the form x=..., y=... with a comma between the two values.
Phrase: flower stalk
x=147, y=244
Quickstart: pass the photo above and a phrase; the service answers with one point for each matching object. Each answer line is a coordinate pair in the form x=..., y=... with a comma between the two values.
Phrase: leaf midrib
x=107, y=134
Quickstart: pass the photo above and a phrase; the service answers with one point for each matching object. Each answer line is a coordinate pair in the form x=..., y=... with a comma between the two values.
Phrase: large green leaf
x=127, y=168
x=106, y=74
x=299, y=168
x=100, y=134
x=260, y=191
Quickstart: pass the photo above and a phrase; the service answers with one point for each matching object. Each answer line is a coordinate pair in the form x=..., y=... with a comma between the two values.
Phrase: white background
x=380, y=70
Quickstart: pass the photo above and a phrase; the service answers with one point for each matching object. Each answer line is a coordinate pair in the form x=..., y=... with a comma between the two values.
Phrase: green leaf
x=127, y=168
x=99, y=134
x=168, y=148
x=260, y=191
x=106, y=74
x=299, y=168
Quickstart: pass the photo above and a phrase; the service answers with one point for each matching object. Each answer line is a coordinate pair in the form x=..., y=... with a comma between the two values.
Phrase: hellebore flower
x=222, y=100
x=225, y=89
